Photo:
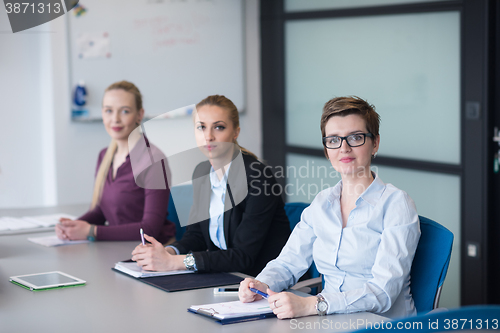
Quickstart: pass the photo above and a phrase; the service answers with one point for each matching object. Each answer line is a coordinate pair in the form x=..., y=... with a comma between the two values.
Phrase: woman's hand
x=244, y=292
x=288, y=305
x=154, y=257
x=72, y=229
x=60, y=231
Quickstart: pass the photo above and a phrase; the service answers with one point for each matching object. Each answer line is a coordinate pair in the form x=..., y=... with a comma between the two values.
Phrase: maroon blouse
x=128, y=207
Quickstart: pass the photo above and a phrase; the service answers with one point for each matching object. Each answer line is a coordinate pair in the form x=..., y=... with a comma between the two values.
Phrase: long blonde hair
x=103, y=171
x=226, y=104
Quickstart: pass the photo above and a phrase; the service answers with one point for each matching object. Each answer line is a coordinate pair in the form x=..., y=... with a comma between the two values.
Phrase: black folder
x=180, y=282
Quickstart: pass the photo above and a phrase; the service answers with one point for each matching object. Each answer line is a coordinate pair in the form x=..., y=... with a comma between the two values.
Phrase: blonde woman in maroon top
x=117, y=198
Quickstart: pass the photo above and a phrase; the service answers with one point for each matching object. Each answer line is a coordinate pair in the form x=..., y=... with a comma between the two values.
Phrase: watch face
x=322, y=306
x=189, y=261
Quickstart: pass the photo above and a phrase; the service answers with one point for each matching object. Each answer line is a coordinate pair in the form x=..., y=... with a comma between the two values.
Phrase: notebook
x=54, y=241
x=132, y=269
x=234, y=312
x=13, y=225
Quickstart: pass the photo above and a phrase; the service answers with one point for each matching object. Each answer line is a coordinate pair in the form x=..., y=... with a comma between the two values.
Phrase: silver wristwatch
x=189, y=262
x=321, y=305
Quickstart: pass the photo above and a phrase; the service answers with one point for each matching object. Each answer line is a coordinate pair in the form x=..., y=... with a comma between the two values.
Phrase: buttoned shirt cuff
x=175, y=249
x=336, y=302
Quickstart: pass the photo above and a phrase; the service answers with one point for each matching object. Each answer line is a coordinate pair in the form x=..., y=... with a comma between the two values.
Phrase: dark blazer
x=255, y=227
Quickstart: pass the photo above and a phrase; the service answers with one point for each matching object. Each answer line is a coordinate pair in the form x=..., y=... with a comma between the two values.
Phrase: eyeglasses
x=353, y=140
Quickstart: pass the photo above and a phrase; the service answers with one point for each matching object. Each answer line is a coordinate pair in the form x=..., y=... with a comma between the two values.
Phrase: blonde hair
x=103, y=171
x=226, y=104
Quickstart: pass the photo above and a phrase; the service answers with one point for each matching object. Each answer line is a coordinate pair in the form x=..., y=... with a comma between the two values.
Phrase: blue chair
x=430, y=264
x=293, y=211
x=183, y=197
x=172, y=216
x=465, y=318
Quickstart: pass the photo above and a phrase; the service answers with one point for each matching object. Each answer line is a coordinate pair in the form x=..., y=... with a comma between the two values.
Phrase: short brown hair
x=344, y=106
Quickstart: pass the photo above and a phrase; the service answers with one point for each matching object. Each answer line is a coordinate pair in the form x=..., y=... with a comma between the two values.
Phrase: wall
x=50, y=159
x=21, y=181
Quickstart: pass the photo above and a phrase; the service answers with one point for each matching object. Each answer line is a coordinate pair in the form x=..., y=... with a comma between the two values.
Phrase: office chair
x=183, y=196
x=293, y=211
x=467, y=318
x=172, y=216
x=430, y=264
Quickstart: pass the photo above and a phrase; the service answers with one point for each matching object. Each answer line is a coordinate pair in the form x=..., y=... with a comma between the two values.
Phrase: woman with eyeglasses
x=362, y=233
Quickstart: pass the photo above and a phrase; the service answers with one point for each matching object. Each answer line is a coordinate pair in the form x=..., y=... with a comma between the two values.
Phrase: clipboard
x=230, y=317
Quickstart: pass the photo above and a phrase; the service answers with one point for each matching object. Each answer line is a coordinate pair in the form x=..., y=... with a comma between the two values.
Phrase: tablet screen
x=47, y=279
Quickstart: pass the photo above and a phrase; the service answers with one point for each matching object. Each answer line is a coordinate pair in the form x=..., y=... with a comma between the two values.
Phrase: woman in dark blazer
x=237, y=222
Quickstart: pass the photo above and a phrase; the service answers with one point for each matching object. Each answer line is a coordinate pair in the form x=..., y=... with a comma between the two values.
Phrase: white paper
x=235, y=309
x=54, y=241
x=31, y=222
x=131, y=268
x=15, y=223
x=47, y=220
x=93, y=45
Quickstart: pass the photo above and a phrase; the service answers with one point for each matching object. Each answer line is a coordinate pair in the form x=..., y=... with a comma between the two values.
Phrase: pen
x=142, y=237
x=266, y=296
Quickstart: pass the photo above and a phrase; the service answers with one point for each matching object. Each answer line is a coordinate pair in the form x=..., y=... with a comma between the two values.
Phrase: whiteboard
x=177, y=52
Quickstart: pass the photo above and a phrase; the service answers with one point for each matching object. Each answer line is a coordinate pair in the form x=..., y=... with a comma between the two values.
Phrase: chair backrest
x=430, y=264
x=179, y=211
x=294, y=210
x=172, y=216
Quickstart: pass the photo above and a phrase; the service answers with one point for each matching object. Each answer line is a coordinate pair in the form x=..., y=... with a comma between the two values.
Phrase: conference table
x=114, y=302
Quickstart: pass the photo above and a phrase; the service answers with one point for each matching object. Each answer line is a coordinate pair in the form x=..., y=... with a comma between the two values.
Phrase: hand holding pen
x=284, y=304
x=153, y=256
x=246, y=294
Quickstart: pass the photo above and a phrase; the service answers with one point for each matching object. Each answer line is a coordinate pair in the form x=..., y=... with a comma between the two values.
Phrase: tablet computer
x=49, y=280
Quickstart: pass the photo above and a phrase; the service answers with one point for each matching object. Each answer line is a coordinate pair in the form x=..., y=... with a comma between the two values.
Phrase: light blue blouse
x=216, y=210
x=366, y=265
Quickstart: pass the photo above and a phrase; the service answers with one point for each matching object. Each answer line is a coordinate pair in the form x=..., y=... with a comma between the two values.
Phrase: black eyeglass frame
x=342, y=138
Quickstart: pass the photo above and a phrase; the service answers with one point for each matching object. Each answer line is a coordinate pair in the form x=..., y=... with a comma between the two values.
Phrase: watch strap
x=91, y=235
